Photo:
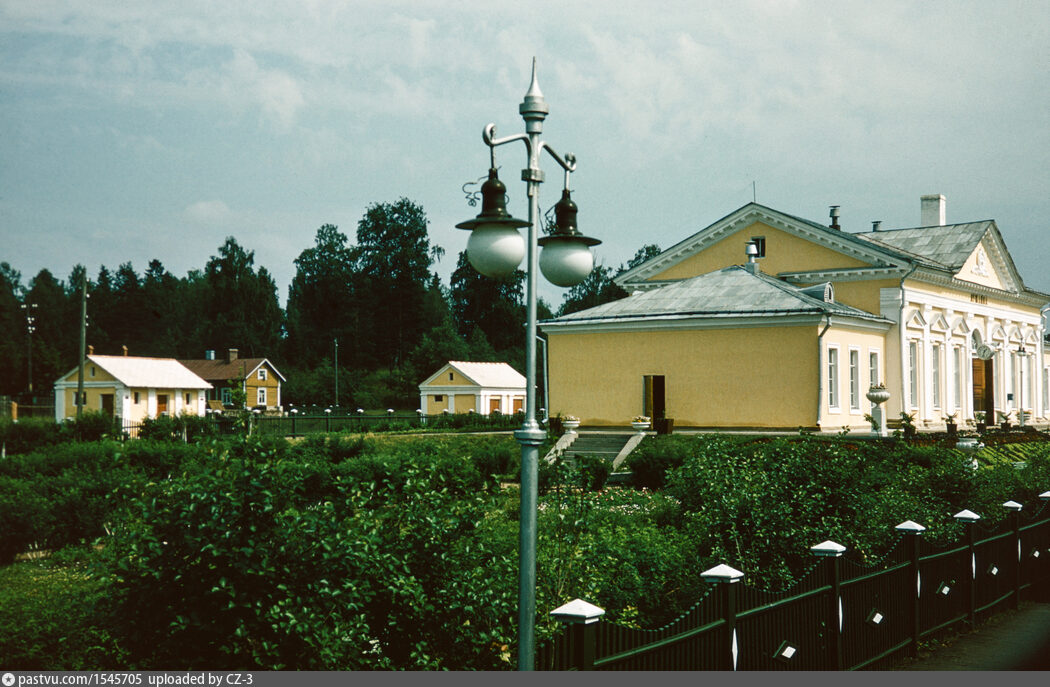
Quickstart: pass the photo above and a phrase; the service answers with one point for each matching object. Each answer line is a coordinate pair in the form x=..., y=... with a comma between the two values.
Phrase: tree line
x=376, y=305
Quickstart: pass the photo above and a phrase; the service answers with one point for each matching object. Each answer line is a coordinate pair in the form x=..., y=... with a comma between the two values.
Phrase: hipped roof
x=158, y=373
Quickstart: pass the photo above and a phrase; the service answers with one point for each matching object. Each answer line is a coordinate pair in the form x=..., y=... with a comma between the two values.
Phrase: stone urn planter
x=878, y=395
x=640, y=424
x=571, y=424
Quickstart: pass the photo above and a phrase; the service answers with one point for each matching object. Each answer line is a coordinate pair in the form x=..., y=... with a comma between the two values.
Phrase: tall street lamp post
x=30, y=309
x=495, y=249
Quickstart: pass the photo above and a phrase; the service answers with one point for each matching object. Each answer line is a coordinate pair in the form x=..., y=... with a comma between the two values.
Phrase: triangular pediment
x=961, y=327
x=939, y=324
x=989, y=264
x=916, y=320
x=792, y=244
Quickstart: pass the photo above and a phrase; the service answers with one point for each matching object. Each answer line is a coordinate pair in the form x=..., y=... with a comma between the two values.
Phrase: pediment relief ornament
x=980, y=265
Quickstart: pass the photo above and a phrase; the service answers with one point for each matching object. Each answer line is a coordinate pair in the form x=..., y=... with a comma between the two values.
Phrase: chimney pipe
x=125, y=349
x=835, y=218
x=934, y=210
x=876, y=225
x=231, y=355
x=91, y=350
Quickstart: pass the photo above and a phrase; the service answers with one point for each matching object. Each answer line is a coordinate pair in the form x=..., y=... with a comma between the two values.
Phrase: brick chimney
x=934, y=211
x=231, y=355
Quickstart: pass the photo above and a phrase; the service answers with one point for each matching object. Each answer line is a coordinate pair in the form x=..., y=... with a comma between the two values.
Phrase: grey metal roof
x=729, y=292
x=946, y=246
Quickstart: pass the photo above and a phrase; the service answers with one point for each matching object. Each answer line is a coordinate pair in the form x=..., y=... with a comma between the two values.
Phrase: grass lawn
x=45, y=618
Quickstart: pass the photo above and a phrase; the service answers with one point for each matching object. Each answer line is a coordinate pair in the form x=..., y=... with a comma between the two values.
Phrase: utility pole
x=337, y=372
x=83, y=344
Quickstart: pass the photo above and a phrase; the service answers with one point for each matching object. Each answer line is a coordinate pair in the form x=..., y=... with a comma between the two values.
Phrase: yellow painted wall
x=784, y=253
x=465, y=402
x=864, y=342
x=457, y=379
x=435, y=407
x=863, y=294
x=713, y=377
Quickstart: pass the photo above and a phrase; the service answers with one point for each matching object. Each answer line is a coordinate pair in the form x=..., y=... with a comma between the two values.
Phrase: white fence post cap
x=828, y=548
x=722, y=573
x=1013, y=505
x=910, y=527
x=578, y=611
x=966, y=516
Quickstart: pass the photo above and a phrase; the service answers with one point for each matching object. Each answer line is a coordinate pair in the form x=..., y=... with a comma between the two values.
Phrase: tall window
x=833, y=377
x=1029, y=392
x=935, y=369
x=262, y=396
x=1046, y=389
x=1011, y=386
x=957, y=376
x=854, y=379
x=913, y=374
x=873, y=368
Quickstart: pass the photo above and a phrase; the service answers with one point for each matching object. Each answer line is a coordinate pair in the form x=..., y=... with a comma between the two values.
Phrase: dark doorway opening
x=984, y=388
x=654, y=402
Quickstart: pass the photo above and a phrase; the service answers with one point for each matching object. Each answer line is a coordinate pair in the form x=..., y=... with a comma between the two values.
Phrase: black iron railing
x=841, y=616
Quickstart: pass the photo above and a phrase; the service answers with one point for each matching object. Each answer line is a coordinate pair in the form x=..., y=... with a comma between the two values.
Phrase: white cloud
x=209, y=212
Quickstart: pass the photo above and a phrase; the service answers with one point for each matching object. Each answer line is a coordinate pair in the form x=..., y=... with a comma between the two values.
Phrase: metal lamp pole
x=495, y=250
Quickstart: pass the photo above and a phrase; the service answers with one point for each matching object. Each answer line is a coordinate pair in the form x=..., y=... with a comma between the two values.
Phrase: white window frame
x=913, y=374
x=832, y=373
x=935, y=373
x=262, y=373
x=1011, y=383
x=958, y=378
x=260, y=396
x=874, y=371
x=854, y=379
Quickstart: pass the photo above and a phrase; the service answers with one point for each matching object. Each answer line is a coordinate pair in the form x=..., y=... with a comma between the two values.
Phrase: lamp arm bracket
x=488, y=135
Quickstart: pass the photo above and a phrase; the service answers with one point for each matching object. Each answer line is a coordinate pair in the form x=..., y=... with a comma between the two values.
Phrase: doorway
x=107, y=404
x=654, y=402
x=162, y=404
x=984, y=388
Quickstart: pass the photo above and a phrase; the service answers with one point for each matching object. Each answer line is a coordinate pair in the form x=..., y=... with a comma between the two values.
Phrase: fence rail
x=296, y=425
x=841, y=616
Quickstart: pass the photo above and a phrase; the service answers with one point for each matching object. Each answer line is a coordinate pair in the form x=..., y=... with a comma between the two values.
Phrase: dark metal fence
x=841, y=616
x=297, y=425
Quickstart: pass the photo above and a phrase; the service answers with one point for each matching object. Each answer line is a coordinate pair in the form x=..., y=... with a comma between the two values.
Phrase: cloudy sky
x=140, y=130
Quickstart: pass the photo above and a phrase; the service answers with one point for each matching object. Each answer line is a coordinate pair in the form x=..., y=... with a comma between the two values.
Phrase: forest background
x=381, y=298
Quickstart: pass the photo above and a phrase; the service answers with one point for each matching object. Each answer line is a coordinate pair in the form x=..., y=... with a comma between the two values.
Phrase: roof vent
x=752, y=253
x=934, y=210
x=835, y=218
x=209, y=355
x=822, y=292
x=876, y=225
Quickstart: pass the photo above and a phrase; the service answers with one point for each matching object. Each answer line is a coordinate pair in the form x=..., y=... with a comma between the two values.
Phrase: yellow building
x=258, y=378
x=937, y=313
x=463, y=387
x=132, y=388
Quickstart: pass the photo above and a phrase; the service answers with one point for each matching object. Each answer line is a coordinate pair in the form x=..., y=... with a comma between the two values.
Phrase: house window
x=92, y=370
x=262, y=373
x=854, y=379
x=833, y=377
x=1046, y=389
x=935, y=371
x=450, y=376
x=439, y=398
x=760, y=244
x=136, y=398
x=262, y=396
x=957, y=377
x=913, y=374
x=227, y=397
x=1010, y=385
x=187, y=399
x=873, y=368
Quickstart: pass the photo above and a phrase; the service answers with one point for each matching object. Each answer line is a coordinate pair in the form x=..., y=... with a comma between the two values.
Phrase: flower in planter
x=640, y=418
